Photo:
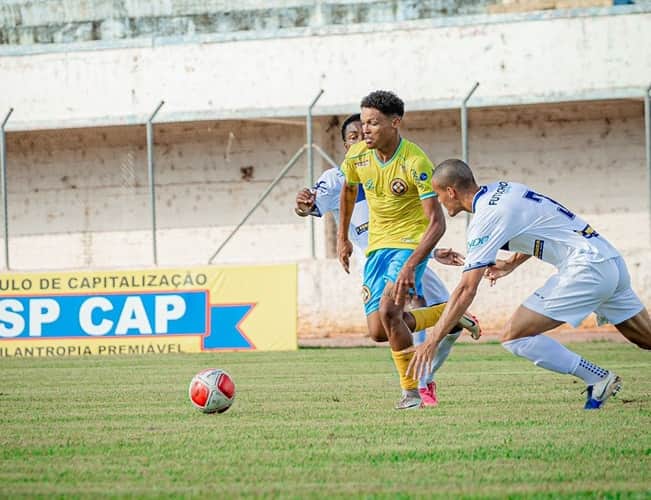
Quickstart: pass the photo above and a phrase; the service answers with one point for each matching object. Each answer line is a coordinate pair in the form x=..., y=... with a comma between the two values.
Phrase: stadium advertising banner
x=148, y=311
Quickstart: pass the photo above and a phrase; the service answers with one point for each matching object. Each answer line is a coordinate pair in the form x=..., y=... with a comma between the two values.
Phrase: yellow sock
x=401, y=359
x=427, y=316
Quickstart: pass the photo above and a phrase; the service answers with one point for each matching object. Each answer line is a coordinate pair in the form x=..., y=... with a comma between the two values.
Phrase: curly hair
x=348, y=121
x=384, y=101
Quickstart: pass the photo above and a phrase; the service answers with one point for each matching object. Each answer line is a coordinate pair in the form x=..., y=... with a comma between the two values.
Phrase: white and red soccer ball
x=212, y=390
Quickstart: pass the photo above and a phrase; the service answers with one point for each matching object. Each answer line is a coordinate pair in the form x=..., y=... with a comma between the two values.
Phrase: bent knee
x=507, y=333
x=376, y=330
x=377, y=335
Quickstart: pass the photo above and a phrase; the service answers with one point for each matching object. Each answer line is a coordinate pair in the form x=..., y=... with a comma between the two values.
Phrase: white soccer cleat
x=471, y=323
x=410, y=400
x=601, y=391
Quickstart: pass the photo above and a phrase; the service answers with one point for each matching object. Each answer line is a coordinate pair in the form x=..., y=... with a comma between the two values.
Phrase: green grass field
x=320, y=423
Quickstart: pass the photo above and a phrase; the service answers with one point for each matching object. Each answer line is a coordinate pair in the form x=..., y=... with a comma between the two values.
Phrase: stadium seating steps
x=25, y=22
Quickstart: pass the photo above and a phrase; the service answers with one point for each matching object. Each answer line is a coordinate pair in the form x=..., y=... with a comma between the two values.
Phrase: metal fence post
x=464, y=131
x=310, y=167
x=3, y=181
x=150, y=171
x=262, y=197
x=647, y=127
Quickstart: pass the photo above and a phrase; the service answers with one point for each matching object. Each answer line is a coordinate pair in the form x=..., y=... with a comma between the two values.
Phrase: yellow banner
x=148, y=311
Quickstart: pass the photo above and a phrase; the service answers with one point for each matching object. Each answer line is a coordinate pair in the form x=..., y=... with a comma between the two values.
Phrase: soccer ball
x=212, y=390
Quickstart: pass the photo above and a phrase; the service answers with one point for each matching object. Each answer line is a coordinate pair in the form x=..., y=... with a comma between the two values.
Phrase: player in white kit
x=592, y=275
x=324, y=198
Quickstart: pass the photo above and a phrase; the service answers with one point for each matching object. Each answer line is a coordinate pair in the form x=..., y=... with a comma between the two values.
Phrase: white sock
x=589, y=372
x=419, y=337
x=443, y=352
x=544, y=352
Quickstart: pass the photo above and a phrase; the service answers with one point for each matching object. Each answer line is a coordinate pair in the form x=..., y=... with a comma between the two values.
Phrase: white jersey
x=511, y=216
x=328, y=190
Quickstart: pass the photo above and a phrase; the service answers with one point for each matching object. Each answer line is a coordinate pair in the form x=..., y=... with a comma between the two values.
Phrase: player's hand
x=421, y=363
x=449, y=257
x=305, y=200
x=498, y=270
x=406, y=281
x=344, y=251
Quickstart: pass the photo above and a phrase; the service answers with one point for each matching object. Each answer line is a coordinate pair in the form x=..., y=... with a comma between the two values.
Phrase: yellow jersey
x=394, y=191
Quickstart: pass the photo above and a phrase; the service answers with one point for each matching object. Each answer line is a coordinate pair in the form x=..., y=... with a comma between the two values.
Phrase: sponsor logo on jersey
x=362, y=228
x=366, y=294
x=477, y=242
x=502, y=188
x=369, y=185
x=361, y=163
x=399, y=186
x=538, y=248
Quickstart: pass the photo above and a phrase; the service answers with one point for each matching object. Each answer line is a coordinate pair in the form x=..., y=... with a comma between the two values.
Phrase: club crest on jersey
x=366, y=294
x=398, y=186
x=588, y=232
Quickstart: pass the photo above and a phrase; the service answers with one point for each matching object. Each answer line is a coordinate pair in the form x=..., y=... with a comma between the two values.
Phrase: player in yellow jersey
x=406, y=221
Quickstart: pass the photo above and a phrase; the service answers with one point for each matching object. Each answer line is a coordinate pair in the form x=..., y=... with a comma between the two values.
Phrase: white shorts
x=434, y=290
x=582, y=288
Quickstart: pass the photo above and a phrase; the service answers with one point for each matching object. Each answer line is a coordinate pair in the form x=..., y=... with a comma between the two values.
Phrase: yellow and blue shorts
x=385, y=265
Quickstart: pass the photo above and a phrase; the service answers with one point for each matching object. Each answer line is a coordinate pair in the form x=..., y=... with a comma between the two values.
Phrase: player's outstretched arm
x=502, y=268
x=448, y=257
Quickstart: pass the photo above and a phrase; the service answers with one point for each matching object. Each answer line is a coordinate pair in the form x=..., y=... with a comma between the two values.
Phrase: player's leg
x=637, y=329
x=375, y=328
x=401, y=343
x=566, y=298
x=419, y=336
x=372, y=288
x=374, y=283
x=434, y=292
x=392, y=316
x=426, y=384
x=436, y=295
x=625, y=310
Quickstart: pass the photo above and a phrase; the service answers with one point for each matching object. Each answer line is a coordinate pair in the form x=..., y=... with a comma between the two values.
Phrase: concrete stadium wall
x=79, y=198
x=66, y=21
x=88, y=191
x=24, y=22
x=527, y=58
